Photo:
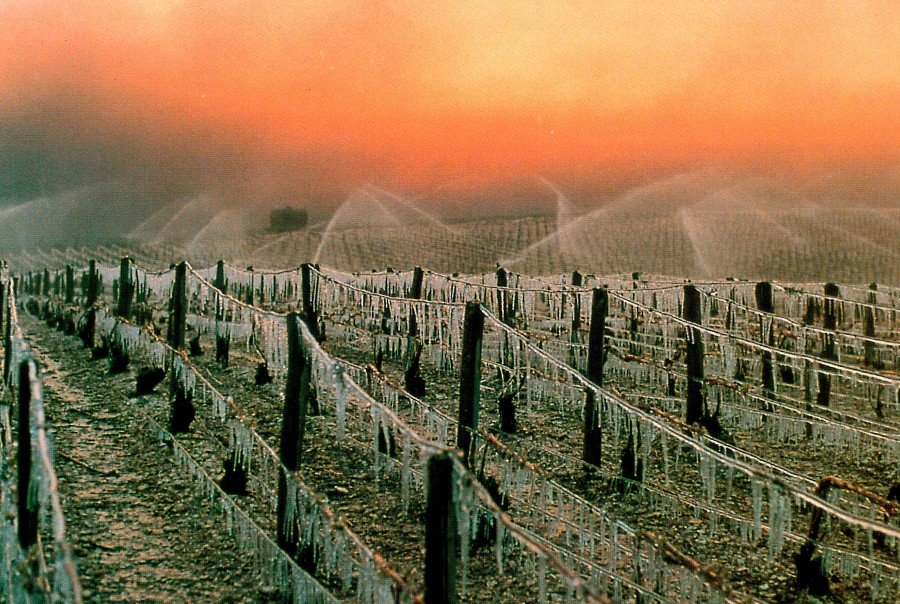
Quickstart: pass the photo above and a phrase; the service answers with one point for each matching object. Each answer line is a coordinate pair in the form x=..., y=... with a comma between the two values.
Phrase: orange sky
x=482, y=88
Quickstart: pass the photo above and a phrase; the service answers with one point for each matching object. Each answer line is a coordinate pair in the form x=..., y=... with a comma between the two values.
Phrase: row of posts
x=29, y=395
x=440, y=532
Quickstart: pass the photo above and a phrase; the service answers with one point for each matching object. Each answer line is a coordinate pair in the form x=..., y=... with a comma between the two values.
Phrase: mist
x=111, y=112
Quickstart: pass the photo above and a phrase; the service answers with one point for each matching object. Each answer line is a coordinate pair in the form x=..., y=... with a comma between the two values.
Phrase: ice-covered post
x=593, y=433
x=440, y=532
x=219, y=281
x=293, y=424
x=415, y=288
x=693, y=313
x=126, y=288
x=70, y=284
x=765, y=303
x=178, y=307
x=502, y=307
x=576, y=306
x=309, y=309
x=829, y=322
x=869, y=327
x=27, y=500
x=470, y=378
x=415, y=384
x=5, y=291
x=7, y=347
x=91, y=295
x=415, y=292
x=811, y=573
x=249, y=291
x=93, y=285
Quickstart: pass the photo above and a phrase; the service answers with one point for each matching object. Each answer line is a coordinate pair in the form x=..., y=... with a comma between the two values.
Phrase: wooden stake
x=871, y=359
x=693, y=313
x=91, y=295
x=27, y=505
x=178, y=307
x=93, y=285
x=70, y=284
x=415, y=292
x=576, y=306
x=415, y=383
x=309, y=310
x=470, y=378
x=593, y=433
x=440, y=533
x=296, y=399
x=219, y=281
x=829, y=322
x=7, y=347
x=126, y=289
x=502, y=306
x=765, y=303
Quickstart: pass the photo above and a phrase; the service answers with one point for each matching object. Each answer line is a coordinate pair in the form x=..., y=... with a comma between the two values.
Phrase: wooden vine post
x=415, y=292
x=693, y=313
x=309, y=309
x=765, y=303
x=126, y=289
x=440, y=532
x=811, y=570
x=249, y=289
x=593, y=433
x=507, y=312
x=829, y=322
x=470, y=379
x=70, y=284
x=871, y=359
x=178, y=307
x=415, y=288
x=293, y=424
x=413, y=380
x=27, y=500
x=7, y=344
x=93, y=285
x=92, y=292
x=576, y=306
x=219, y=281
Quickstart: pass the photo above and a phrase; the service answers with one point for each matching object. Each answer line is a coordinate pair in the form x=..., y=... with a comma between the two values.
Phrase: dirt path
x=138, y=531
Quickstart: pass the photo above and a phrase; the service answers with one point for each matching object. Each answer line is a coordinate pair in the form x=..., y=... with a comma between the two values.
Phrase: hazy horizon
x=687, y=124
x=307, y=102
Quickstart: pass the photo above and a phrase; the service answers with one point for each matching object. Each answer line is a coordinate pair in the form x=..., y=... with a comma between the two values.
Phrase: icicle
x=406, y=471
x=756, y=489
x=775, y=520
x=498, y=546
x=376, y=431
x=542, y=578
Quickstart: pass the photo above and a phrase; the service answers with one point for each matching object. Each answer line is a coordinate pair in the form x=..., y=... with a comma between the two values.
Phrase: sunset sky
x=414, y=92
